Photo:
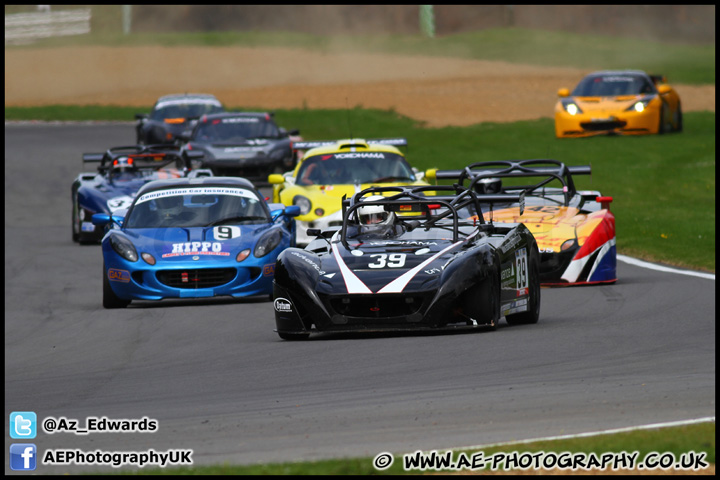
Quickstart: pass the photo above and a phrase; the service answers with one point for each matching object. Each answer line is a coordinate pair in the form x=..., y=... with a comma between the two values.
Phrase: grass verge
x=678, y=443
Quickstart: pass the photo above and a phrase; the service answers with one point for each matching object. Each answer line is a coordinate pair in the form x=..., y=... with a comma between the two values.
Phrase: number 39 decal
x=522, y=268
x=382, y=260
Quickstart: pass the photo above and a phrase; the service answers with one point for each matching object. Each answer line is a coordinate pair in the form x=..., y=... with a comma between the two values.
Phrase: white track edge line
x=652, y=266
x=592, y=434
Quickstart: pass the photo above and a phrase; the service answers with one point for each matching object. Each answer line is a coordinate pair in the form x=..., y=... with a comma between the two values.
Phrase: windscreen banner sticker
x=195, y=248
x=225, y=232
x=116, y=275
x=119, y=202
x=236, y=192
x=241, y=120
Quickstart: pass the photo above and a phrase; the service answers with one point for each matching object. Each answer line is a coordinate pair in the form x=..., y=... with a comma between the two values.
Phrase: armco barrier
x=26, y=27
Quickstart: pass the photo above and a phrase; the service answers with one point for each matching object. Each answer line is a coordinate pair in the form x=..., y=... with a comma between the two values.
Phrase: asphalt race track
x=219, y=380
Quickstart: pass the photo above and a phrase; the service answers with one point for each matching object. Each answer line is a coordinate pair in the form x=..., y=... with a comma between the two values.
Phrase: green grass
x=663, y=185
x=696, y=438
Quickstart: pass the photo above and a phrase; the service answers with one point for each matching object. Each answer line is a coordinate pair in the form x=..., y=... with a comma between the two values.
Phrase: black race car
x=121, y=171
x=172, y=115
x=406, y=260
x=247, y=144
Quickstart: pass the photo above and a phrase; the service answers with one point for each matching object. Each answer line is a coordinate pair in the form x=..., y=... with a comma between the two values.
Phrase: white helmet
x=489, y=185
x=374, y=214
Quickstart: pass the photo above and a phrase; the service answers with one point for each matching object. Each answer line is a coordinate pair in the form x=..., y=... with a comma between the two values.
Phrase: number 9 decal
x=226, y=232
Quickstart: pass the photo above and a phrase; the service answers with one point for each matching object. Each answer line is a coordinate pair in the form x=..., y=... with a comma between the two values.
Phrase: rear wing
x=145, y=156
x=352, y=142
x=548, y=169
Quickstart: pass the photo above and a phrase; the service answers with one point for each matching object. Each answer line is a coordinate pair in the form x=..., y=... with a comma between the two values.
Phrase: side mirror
x=663, y=89
x=292, y=211
x=563, y=92
x=141, y=116
x=314, y=232
x=103, y=219
x=276, y=179
x=430, y=174
x=294, y=132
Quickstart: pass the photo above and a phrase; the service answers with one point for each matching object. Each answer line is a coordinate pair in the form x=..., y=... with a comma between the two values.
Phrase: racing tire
x=482, y=302
x=75, y=221
x=532, y=315
x=294, y=336
x=110, y=300
x=679, y=119
x=662, y=124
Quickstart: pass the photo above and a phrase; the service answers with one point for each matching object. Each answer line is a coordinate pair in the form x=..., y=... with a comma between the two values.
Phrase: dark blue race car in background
x=193, y=238
x=172, y=115
x=245, y=144
x=120, y=173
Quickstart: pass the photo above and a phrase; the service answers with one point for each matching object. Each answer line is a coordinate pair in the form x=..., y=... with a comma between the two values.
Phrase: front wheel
x=110, y=300
x=532, y=315
x=679, y=119
x=75, y=220
x=662, y=124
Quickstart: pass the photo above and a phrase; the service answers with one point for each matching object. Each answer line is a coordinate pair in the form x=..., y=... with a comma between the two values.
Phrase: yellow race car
x=331, y=170
x=618, y=102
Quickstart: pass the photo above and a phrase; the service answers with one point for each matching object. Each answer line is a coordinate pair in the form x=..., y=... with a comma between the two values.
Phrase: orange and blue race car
x=574, y=229
x=618, y=102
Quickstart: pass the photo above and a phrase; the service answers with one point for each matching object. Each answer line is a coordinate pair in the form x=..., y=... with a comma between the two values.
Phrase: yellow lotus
x=331, y=170
x=623, y=102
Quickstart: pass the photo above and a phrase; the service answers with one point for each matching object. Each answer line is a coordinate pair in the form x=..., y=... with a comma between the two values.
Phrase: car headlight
x=639, y=106
x=267, y=243
x=571, y=108
x=124, y=247
x=302, y=202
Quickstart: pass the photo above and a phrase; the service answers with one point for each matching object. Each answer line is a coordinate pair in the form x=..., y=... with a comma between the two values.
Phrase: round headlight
x=572, y=109
x=304, y=204
x=639, y=107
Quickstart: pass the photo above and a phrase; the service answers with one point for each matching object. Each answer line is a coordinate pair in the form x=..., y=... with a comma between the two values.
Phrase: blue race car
x=193, y=238
x=120, y=174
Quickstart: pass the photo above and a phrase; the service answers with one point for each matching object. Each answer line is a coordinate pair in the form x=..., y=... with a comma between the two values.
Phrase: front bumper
x=140, y=281
x=617, y=123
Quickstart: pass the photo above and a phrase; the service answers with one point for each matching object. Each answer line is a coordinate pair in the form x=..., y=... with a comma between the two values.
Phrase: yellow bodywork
x=327, y=199
x=619, y=114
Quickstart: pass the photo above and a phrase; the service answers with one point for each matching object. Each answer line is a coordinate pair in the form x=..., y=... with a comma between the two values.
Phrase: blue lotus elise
x=193, y=238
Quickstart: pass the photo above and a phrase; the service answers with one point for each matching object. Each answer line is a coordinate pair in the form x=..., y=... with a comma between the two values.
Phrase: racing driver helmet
x=374, y=214
x=488, y=186
x=123, y=168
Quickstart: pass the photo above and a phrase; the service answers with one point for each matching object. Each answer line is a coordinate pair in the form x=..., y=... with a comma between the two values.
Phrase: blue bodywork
x=196, y=261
